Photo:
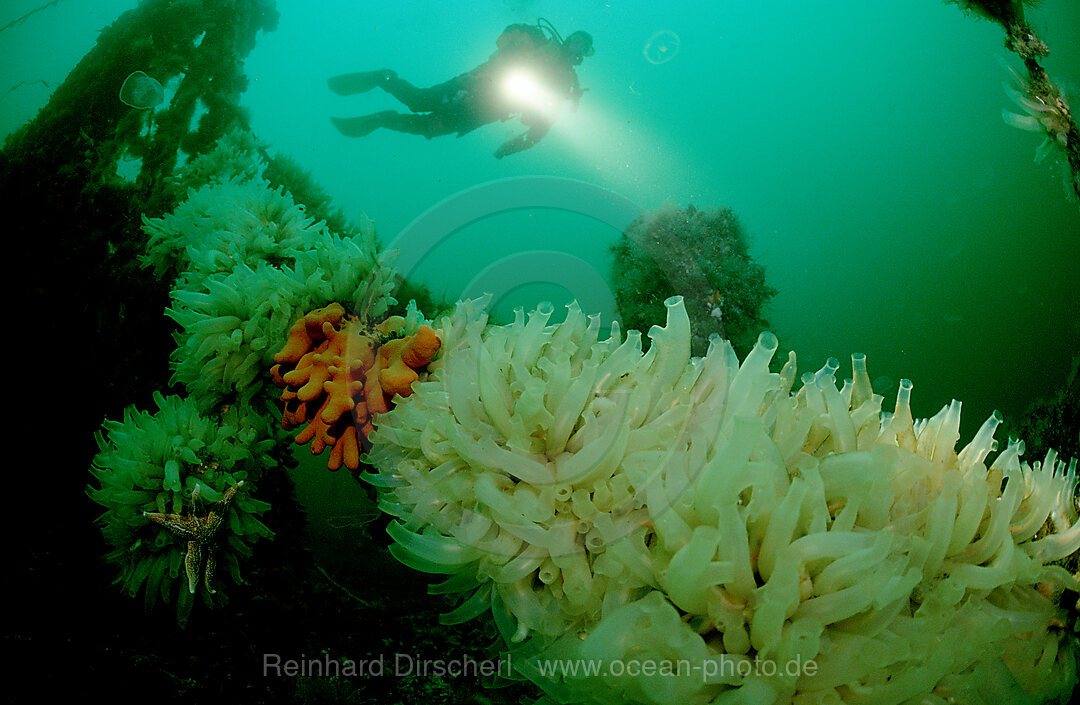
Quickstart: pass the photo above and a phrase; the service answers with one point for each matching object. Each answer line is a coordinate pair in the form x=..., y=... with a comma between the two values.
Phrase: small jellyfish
x=883, y=384
x=662, y=47
x=141, y=91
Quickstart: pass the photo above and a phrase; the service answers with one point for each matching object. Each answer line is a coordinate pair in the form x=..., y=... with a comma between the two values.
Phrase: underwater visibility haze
x=442, y=352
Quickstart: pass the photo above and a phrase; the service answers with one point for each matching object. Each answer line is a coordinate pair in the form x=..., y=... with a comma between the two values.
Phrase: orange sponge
x=337, y=374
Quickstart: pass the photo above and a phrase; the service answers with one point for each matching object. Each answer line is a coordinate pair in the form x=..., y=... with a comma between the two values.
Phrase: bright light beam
x=522, y=88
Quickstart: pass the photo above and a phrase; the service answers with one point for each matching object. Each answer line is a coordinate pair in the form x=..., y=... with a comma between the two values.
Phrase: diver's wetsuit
x=471, y=99
x=453, y=106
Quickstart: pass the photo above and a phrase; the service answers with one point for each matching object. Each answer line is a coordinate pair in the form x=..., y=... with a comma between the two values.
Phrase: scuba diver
x=530, y=75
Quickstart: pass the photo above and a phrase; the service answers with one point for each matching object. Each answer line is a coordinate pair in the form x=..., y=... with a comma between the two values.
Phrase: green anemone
x=153, y=462
x=250, y=262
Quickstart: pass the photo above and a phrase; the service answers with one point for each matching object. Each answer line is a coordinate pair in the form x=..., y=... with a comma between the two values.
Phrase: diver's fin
x=361, y=126
x=353, y=83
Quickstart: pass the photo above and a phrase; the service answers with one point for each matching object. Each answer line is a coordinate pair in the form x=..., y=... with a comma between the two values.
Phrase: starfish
x=199, y=532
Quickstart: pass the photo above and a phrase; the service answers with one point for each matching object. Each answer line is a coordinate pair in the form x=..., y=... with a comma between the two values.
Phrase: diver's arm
x=523, y=141
x=538, y=125
x=574, y=94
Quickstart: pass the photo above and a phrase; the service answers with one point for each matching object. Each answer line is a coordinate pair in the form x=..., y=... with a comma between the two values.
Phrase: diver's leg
x=362, y=82
x=363, y=125
x=419, y=100
x=427, y=125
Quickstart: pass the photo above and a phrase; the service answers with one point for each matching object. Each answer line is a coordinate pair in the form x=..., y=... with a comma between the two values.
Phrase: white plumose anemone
x=612, y=505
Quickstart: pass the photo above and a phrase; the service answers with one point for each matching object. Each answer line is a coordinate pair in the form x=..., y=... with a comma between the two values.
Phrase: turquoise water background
x=860, y=143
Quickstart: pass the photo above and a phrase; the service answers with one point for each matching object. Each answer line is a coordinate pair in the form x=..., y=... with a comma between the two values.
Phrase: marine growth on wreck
x=666, y=493
x=601, y=502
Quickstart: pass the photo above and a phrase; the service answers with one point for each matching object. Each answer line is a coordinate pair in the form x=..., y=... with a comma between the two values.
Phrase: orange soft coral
x=338, y=373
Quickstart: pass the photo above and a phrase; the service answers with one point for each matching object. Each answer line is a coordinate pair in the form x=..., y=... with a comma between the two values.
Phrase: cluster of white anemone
x=613, y=505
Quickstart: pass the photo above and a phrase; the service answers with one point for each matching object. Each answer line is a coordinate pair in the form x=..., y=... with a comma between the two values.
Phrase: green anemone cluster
x=237, y=156
x=153, y=462
x=701, y=255
x=246, y=262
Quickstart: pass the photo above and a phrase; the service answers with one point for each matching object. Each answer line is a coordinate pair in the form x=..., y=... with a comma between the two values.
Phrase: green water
x=860, y=143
